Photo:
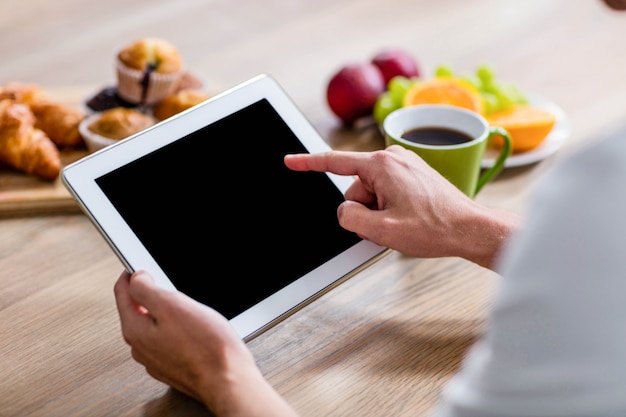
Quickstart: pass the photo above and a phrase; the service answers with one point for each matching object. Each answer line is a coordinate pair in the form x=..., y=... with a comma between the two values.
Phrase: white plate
x=555, y=139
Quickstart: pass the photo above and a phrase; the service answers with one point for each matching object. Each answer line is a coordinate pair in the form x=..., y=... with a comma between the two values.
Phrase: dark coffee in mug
x=438, y=136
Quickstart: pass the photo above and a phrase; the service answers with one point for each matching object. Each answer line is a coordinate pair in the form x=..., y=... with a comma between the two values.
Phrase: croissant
x=25, y=147
x=59, y=121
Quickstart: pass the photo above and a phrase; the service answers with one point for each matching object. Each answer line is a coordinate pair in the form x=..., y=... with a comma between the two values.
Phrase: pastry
x=59, y=121
x=110, y=126
x=175, y=103
x=148, y=70
x=25, y=147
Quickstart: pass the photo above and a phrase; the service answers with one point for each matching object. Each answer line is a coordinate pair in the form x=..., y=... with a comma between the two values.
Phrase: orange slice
x=445, y=90
x=527, y=125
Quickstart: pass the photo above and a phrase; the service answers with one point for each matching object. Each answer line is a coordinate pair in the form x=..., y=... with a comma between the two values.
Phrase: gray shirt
x=555, y=345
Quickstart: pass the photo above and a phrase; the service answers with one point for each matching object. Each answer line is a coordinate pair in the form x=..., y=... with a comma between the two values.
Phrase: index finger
x=337, y=162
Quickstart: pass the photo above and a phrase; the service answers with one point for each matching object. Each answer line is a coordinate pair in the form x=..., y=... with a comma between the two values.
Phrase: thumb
x=143, y=290
x=360, y=219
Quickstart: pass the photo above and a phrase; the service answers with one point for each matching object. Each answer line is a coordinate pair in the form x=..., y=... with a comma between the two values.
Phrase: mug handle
x=498, y=165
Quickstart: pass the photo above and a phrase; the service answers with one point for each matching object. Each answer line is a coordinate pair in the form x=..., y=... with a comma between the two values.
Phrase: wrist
x=482, y=234
x=243, y=391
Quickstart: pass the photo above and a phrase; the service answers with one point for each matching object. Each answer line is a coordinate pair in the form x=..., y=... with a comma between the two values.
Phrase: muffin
x=148, y=70
x=176, y=103
x=102, y=129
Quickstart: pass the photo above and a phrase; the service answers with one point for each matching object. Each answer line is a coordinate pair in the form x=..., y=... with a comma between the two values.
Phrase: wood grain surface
x=384, y=342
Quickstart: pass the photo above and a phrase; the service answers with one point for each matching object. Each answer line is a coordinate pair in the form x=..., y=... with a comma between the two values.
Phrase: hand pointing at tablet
x=399, y=201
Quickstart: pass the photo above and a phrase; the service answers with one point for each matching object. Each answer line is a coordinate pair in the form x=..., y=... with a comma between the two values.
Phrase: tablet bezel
x=79, y=177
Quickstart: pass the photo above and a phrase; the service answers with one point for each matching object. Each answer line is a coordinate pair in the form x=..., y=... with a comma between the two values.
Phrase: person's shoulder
x=595, y=166
x=588, y=179
x=604, y=153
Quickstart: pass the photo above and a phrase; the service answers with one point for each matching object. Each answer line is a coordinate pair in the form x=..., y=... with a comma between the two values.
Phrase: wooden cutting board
x=25, y=195
x=22, y=195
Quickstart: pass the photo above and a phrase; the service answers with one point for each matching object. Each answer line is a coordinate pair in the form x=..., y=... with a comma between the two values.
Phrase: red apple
x=395, y=61
x=353, y=90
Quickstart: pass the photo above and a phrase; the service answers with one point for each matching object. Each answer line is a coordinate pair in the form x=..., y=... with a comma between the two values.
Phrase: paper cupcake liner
x=130, y=85
x=93, y=141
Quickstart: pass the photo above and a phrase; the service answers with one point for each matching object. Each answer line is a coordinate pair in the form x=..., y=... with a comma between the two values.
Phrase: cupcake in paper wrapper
x=148, y=70
x=100, y=130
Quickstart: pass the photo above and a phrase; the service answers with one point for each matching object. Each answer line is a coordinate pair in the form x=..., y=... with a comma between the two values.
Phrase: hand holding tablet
x=169, y=200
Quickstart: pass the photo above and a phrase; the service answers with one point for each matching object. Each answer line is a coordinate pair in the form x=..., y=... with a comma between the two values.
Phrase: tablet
x=204, y=202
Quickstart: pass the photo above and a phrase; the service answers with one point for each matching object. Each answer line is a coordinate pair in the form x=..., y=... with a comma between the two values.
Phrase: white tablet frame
x=79, y=178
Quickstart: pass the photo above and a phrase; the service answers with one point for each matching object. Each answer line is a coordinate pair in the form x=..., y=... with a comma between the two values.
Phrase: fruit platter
x=392, y=79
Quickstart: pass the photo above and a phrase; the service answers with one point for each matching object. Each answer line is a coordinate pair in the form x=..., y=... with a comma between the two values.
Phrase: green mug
x=451, y=139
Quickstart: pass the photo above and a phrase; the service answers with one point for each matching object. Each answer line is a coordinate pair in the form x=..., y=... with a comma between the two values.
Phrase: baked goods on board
x=151, y=80
x=152, y=85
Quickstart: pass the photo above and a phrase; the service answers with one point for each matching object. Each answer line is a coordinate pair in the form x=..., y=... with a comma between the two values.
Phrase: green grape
x=491, y=102
x=513, y=93
x=383, y=106
x=397, y=87
x=443, y=71
x=504, y=101
x=486, y=75
x=493, y=88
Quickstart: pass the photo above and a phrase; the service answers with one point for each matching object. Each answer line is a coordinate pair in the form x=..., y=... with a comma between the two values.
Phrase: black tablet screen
x=223, y=216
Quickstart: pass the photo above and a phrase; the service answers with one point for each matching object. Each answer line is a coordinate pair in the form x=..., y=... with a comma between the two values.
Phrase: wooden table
x=382, y=343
